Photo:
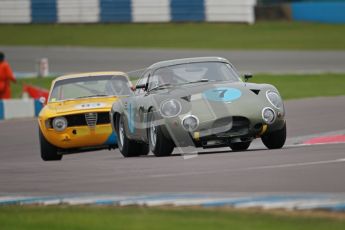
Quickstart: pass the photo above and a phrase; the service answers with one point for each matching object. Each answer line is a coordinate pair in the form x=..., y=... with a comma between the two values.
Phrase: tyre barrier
x=326, y=202
x=112, y=11
x=19, y=108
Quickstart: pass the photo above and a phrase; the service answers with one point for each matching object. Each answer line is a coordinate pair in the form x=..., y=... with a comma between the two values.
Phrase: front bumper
x=81, y=136
x=224, y=130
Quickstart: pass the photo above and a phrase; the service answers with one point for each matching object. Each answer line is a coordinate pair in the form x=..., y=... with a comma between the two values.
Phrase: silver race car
x=199, y=102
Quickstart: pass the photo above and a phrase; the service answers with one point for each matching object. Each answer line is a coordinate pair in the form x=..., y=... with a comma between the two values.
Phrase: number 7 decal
x=222, y=92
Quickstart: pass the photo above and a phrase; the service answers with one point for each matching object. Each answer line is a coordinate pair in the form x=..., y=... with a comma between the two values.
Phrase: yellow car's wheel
x=48, y=151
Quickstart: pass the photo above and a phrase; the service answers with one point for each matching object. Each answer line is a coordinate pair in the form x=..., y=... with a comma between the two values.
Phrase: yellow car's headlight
x=59, y=124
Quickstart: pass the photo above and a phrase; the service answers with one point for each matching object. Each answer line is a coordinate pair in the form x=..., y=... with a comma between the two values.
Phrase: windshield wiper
x=160, y=86
x=97, y=95
x=169, y=84
x=198, y=81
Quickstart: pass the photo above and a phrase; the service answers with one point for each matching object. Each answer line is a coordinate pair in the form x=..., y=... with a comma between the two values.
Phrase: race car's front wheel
x=240, y=146
x=276, y=139
x=127, y=147
x=159, y=144
x=48, y=151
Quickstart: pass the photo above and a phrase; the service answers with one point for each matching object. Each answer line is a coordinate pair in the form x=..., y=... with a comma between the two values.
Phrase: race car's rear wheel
x=127, y=147
x=276, y=139
x=48, y=151
x=159, y=144
x=240, y=146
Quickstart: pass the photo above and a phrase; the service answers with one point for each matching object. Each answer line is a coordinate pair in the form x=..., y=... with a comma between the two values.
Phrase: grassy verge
x=262, y=35
x=302, y=86
x=37, y=218
x=16, y=89
x=290, y=86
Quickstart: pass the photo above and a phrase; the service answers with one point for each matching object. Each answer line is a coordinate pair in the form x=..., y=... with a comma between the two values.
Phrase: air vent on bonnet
x=256, y=91
x=187, y=98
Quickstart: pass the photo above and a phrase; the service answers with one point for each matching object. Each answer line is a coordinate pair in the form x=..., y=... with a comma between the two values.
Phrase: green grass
x=36, y=218
x=16, y=89
x=262, y=35
x=302, y=86
x=290, y=86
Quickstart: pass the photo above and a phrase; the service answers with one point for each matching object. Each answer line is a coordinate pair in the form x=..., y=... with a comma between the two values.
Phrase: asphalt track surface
x=293, y=169
x=74, y=59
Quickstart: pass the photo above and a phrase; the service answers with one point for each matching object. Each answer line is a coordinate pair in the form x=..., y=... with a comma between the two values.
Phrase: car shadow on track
x=212, y=152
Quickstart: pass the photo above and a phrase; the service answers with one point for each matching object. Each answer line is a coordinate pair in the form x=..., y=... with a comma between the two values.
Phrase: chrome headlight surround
x=268, y=115
x=170, y=108
x=59, y=123
x=190, y=123
x=275, y=99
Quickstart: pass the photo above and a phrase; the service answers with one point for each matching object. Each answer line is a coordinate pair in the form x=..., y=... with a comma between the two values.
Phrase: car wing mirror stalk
x=141, y=86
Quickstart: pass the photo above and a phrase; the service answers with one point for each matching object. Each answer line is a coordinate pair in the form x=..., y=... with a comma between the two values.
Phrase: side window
x=142, y=80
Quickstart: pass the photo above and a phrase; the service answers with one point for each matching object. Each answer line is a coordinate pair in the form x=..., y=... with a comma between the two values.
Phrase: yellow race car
x=76, y=116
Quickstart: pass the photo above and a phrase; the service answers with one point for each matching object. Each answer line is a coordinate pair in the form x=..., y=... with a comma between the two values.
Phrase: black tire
x=127, y=147
x=161, y=146
x=141, y=148
x=276, y=139
x=240, y=146
x=48, y=151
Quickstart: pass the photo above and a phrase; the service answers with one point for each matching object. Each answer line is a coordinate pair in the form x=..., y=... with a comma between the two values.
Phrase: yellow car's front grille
x=91, y=119
x=87, y=119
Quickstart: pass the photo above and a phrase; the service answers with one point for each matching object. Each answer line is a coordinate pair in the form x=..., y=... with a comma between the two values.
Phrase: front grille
x=86, y=119
x=221, y=125
x=240, y=126
x=240, y=122
x=76, y=120
x=91, y=119
x=103, y=118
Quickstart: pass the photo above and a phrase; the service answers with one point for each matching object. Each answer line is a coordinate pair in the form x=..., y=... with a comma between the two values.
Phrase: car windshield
x=193, y=72
x=93, y=86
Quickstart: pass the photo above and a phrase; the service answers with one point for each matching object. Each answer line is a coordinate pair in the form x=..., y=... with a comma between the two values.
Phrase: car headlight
x=275, y=99
x=171, y=108
x=59, y=123
x=190, y=123
x=268, y=115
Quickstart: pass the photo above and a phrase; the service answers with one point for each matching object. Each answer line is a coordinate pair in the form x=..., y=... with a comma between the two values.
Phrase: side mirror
x=140, y=86
x=247, y=77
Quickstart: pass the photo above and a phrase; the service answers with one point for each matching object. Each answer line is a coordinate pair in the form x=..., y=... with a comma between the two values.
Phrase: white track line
x=297, y=164
x=342, y=160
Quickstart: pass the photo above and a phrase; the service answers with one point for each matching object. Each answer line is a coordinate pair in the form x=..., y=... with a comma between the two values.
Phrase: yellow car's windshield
x=93, y=86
